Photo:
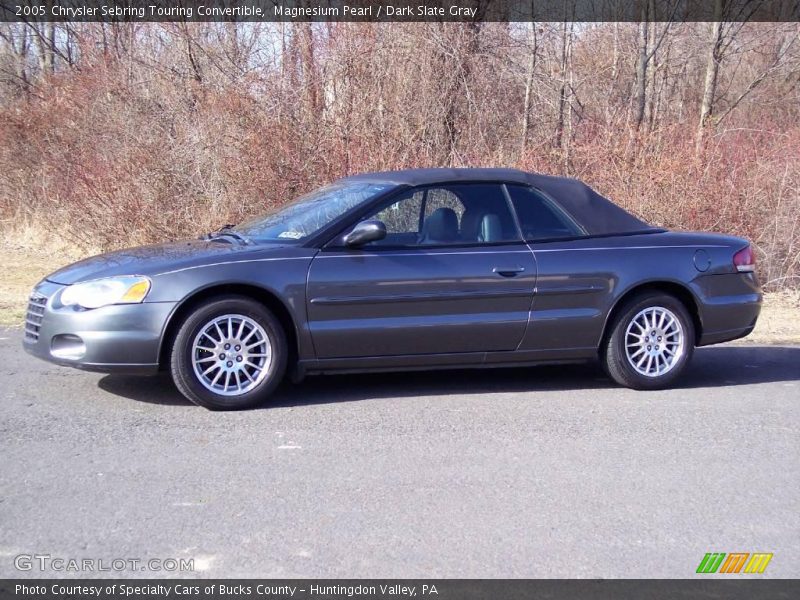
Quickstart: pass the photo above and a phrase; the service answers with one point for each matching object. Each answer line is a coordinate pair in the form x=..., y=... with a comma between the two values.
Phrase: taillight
x=744, y=260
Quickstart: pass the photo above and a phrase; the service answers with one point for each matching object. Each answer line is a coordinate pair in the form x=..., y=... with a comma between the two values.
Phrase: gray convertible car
x=416, y=269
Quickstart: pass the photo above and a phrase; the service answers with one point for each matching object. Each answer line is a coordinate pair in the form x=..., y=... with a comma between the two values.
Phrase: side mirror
x=365, y=232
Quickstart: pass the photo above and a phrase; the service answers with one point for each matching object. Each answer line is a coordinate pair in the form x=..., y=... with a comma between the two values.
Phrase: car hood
x=151, y=260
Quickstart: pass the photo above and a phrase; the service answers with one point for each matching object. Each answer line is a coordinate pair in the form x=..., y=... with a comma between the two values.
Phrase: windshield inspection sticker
x=294, y=235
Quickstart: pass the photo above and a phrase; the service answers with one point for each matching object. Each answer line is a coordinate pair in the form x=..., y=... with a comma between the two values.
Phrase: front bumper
x=123, y=338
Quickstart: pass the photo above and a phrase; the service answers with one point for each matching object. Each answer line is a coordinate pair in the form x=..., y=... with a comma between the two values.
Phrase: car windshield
x=311, y=212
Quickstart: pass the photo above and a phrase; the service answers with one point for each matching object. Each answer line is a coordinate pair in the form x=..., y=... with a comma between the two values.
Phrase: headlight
x=128, y=289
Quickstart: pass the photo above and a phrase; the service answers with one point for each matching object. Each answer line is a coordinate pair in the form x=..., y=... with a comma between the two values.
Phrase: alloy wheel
x=654, y=341
x=231, y=355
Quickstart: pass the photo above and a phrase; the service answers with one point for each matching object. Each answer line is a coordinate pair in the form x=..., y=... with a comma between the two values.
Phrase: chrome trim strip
x=423, y=297
x=569, y=289
x=477, y=251
x=535, y=250
x=112, y=365
x=392, y=253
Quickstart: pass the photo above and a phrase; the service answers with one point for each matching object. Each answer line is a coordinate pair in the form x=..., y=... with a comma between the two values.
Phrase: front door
x=452, y=275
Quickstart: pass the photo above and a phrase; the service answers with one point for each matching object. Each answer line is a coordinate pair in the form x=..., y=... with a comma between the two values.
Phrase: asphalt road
x=545, y=472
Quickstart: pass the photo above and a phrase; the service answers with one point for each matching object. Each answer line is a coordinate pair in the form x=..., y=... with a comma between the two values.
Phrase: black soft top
x=598, y=215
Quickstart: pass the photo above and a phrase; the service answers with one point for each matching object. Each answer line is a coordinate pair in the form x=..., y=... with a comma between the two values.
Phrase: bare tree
x=715, y=54
x=162, y=130
x=533, y=50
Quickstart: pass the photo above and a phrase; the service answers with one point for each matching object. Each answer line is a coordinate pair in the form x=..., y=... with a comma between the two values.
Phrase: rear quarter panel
x=581, y=281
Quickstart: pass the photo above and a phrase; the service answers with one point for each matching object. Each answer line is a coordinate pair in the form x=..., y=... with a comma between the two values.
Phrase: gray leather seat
x=477, y=226
x=470, y=224
x=491, y=230
x=441, y=226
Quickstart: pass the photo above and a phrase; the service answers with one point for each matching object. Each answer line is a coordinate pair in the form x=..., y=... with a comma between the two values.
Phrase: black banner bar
x=398, y=10
x=708, y=588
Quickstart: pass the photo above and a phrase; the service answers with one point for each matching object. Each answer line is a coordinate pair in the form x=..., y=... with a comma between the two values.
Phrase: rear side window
x=539, y=217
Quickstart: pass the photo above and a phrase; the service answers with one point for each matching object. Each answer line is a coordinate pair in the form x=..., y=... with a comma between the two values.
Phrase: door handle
x=508, y=271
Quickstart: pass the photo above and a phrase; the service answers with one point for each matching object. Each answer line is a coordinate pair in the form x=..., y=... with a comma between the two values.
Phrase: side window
x=403, y=215
x=486, y=218
x=539, y=217
x=402, y=219
x=446, y=215
x=442, y=198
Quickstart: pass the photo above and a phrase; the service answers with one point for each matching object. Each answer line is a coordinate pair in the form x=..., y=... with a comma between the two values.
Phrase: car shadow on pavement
x=158, y=389
x=717, y=366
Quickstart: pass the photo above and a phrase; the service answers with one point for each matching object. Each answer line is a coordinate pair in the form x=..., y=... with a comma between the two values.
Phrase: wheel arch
x=202, y=295
x=673, y=288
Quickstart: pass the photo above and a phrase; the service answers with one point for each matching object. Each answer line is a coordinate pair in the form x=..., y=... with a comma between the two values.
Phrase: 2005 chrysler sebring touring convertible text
x=413, y=269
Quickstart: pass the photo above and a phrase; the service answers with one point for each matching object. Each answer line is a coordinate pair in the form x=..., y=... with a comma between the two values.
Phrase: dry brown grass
x=26, y=261
x=779, y=322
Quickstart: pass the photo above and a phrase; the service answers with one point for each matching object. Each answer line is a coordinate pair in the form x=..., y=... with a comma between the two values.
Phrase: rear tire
x=229, y=354
x=651, y=342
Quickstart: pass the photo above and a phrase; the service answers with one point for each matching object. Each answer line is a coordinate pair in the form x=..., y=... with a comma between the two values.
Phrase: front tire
x=229, y=354
x=651, y=342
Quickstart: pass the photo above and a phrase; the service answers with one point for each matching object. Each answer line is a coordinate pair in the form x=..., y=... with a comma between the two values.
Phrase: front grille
x=33, y=320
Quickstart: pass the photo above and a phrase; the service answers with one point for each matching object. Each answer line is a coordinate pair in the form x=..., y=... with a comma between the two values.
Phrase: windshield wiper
x=227, y=231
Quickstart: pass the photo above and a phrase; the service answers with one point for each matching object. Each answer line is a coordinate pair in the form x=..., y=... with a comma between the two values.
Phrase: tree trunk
x=50, y=48
x=652, y=68
x=458, y=88
x=308, y=67
x=641, y=71
x=526, y=106
x=712, y=76
x=562, y=91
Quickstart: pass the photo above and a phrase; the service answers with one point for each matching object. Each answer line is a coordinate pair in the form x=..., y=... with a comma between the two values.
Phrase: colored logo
x=736, y=562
